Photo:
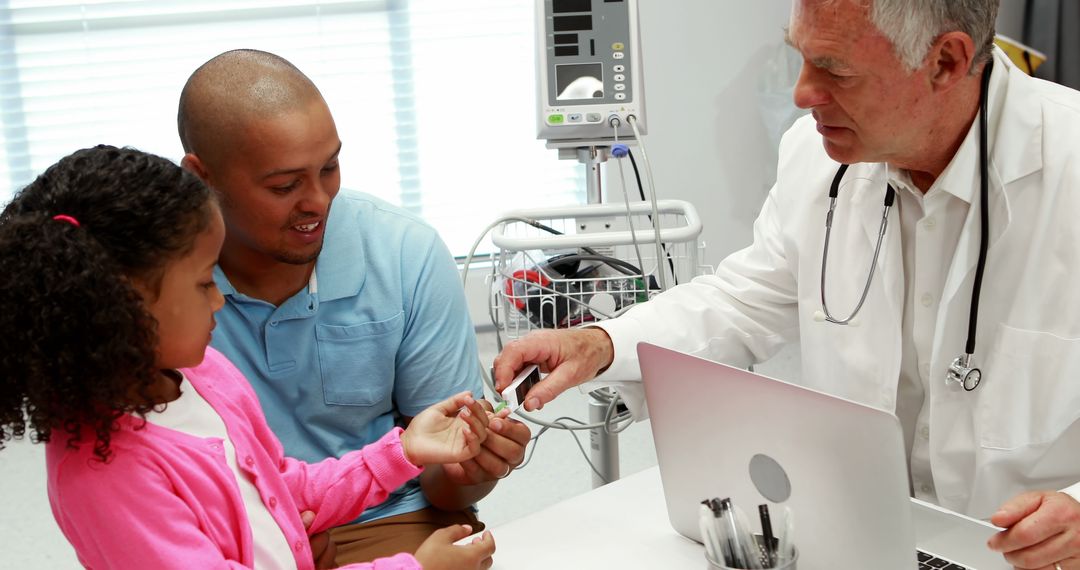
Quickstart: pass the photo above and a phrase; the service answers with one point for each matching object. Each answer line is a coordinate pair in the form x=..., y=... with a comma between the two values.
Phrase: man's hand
x=1042, y=528
x=500, y=453
x=323, y=549
x=570, y=357
x=439, y=552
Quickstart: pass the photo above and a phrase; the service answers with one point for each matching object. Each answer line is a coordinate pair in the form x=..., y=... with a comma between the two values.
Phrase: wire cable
x=641, y=192
x=558, y=423
x=491, y=226
x=652, y=193
x=615, y=122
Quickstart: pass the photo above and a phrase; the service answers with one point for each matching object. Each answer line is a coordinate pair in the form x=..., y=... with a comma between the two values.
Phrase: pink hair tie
x=66, y=218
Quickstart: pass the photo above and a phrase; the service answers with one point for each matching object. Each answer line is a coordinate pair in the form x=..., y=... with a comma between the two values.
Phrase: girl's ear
x=146, y=289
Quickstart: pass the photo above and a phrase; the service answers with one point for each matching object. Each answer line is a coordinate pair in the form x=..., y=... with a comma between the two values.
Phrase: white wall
x=1010, y=20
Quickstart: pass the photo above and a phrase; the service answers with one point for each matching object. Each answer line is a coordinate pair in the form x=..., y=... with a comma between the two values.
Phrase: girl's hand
x=448, y=432
x=439, y=552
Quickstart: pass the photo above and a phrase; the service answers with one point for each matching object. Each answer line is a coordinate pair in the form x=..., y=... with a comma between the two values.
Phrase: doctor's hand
x=1042, y=528
x=570, y=357
x=501, y=452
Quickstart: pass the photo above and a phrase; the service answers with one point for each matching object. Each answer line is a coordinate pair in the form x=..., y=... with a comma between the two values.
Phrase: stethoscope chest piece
x=963, y=374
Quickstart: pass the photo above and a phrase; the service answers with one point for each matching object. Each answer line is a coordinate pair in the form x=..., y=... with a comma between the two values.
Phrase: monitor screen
x=579, y=81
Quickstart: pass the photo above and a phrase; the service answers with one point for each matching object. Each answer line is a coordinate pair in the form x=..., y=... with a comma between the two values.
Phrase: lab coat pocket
x=1030, y=393
x=357, y=361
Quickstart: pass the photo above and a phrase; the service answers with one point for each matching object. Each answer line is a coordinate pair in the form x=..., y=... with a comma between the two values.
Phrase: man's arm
x=438, y=357
x=455, y=486
x=449, y=495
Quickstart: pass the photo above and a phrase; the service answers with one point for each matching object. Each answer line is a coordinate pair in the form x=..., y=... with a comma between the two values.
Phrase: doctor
x=894, y=88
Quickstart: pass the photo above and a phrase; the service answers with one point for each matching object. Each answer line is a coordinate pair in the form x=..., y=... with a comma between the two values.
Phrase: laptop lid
x=845, y=461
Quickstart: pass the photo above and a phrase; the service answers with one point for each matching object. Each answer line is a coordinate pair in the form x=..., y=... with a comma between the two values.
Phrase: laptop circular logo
x=770, y=478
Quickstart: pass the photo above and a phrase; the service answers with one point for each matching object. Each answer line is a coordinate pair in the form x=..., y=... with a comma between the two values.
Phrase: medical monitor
x=588, y=69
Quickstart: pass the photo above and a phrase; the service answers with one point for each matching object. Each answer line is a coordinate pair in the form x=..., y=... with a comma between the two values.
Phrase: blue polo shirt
x=383, y=333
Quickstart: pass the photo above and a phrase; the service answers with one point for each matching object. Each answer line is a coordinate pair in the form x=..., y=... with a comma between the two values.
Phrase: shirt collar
x=342, y=265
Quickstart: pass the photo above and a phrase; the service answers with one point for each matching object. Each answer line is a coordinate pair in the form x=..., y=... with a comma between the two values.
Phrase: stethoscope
x=960, y=372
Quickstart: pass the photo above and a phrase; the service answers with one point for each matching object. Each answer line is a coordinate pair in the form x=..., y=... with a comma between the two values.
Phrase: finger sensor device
x=514, y=394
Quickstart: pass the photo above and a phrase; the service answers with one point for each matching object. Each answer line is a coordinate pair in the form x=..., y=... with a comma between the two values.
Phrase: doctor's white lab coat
x=1018, y=431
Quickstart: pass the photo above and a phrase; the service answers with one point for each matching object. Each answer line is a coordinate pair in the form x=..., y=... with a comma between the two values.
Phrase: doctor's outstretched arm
x=570, y=357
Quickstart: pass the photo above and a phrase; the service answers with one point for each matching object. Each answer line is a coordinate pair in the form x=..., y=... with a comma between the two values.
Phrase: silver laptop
x=844, y=461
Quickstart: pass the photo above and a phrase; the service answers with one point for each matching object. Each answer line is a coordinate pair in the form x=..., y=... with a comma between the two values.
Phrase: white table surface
x=620, y=525
x=625, y=525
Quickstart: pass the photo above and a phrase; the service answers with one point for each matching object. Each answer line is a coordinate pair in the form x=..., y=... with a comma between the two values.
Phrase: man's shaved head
x=230, y=90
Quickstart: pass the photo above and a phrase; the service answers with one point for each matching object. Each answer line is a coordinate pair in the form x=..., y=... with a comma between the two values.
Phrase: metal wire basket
x=563, y=267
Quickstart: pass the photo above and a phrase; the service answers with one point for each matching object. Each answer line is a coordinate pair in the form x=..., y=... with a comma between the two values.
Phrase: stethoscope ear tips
x=819, y=316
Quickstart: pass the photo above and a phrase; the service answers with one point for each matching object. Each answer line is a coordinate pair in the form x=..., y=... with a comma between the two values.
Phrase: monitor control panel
x=588, y=69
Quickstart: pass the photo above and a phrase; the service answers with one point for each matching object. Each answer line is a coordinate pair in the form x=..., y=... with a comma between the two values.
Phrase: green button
x=556, y=119
x=617, y=46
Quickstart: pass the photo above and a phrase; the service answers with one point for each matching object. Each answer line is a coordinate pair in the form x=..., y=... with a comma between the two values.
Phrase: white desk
x=625, y=525
x=621, y=525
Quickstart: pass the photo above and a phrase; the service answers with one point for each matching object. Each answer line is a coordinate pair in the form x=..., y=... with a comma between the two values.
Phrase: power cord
x=558, y=421
x=632, y=120
x=641, y=192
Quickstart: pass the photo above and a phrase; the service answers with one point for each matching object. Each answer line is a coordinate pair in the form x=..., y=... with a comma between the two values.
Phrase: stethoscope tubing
x=984, y=235
x=834, y=190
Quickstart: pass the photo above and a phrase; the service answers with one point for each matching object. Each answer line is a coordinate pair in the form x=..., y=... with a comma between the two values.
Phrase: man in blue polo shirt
x=347, y=320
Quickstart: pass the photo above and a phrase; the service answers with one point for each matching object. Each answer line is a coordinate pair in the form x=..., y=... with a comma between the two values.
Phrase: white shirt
x=930, y=228
x=191, y=414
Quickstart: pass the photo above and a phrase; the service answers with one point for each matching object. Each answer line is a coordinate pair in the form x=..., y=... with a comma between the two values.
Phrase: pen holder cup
x=784, y=563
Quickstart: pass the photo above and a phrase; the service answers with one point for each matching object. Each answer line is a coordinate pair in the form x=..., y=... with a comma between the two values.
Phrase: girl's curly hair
x=77, y=345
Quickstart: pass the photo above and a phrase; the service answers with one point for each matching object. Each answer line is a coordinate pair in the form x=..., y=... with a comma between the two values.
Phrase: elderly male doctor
x=894, y=90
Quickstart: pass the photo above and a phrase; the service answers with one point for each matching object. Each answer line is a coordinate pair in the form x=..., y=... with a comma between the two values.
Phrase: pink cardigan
x=169, y=500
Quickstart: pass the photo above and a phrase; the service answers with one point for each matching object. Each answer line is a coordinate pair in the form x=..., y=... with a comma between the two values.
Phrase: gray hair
x=913, y=25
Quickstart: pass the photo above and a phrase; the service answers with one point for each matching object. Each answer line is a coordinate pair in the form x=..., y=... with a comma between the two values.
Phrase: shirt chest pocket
x=1031, y=393
x=358, y=361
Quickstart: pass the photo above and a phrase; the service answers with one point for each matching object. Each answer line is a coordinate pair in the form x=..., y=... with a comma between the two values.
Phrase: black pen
x=766, y=532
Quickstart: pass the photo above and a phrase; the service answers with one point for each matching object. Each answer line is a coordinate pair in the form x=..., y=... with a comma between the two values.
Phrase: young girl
x=158, y=453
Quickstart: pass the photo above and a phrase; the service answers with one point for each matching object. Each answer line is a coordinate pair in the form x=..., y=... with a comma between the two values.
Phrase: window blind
x=434, y=100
